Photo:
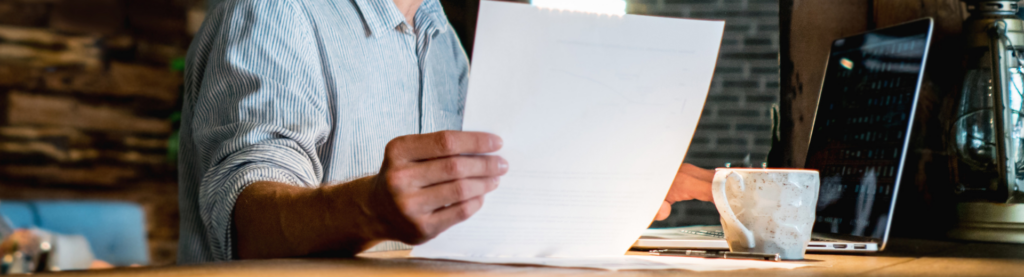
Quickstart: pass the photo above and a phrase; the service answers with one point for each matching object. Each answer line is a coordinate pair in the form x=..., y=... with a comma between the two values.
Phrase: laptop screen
x=862, y=126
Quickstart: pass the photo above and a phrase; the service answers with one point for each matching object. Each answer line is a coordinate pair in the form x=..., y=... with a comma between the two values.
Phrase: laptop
x=858, y=143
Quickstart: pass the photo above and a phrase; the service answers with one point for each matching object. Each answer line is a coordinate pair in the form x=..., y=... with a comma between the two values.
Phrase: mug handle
x=722, y=202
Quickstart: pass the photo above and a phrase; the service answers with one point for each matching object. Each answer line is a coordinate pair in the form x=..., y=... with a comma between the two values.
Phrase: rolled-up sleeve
x=261, y=111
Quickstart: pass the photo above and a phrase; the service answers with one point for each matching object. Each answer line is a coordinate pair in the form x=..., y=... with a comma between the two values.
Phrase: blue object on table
x=115, y=230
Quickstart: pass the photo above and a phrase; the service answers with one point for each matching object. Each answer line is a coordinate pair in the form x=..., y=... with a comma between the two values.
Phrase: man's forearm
x=273, y=220
x=426, y=184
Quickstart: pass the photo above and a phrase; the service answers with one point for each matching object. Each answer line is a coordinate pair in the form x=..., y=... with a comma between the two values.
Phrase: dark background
x=924, y=207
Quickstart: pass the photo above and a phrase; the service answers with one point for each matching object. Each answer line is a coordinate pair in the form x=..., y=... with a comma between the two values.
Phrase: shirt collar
x=382, y=15
x=434, y=9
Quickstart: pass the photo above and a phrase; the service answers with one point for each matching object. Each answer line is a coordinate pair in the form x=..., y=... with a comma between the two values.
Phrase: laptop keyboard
x=714, y=233
x=719, y=234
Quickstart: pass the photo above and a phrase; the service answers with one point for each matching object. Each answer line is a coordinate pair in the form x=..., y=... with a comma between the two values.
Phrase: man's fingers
x=444, y=218
x=454, y=168
x=442, y=144
x=438, y=196
x=686, y=187
x=664, y=211
x=697, y=172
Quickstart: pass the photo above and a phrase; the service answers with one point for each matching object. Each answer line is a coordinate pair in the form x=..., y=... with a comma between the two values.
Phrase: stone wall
x=87, y=96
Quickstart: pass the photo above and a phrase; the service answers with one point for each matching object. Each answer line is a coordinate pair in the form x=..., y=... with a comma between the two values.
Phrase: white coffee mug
x=766, y=210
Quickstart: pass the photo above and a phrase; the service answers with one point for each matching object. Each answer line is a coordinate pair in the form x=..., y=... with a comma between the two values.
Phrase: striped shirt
x=308, y=93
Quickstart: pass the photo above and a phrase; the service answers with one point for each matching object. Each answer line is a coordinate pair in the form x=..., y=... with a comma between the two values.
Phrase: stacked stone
x=87, y=96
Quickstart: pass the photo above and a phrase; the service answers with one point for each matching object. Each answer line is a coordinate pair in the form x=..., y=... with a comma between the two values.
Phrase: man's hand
x=426, y=184
x=430, y=182
x=691, y=183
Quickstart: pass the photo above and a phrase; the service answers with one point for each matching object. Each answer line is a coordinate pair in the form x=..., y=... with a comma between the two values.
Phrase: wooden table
x=903, y=257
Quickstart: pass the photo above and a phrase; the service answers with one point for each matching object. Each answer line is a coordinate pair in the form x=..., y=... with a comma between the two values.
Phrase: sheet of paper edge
x=665, y=266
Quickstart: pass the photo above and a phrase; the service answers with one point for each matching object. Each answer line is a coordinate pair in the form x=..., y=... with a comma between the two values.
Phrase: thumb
x=664, y=211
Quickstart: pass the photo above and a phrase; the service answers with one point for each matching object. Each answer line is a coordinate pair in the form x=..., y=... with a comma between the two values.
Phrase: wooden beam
x=807, y=29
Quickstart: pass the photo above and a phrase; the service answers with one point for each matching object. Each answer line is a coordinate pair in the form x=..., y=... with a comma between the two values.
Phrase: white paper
x=596, y=112
x=635, y=263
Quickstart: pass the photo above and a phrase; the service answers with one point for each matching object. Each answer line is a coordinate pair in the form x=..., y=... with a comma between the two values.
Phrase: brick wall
x=86, y=97
x=736, y=124
x=737, y=116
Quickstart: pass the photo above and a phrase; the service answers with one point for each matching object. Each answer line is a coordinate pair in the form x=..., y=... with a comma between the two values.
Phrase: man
x=316, y=127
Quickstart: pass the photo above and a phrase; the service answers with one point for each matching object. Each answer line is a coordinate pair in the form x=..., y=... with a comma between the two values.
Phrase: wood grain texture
x=86, y=105
x=948, y=14
x=33, y=109
x=808, y=28
x=906, y=257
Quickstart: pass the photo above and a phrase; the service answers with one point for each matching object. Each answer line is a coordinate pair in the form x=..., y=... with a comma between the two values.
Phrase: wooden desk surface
x=903, y=257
